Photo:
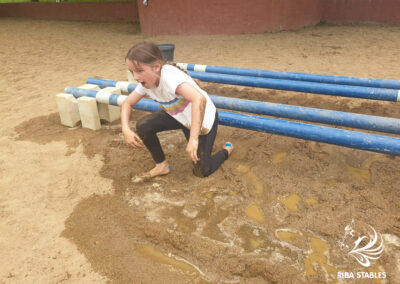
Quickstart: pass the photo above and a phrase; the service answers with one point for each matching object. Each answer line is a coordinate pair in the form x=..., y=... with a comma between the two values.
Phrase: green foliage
x=14, y=1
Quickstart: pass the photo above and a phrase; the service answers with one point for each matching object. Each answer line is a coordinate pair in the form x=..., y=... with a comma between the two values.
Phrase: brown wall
x=226, y=16
x=94, y=11
x=215, y=16
x=361, y=11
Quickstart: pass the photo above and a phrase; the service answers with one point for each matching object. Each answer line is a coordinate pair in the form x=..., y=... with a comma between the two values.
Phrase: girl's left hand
x=191, y=149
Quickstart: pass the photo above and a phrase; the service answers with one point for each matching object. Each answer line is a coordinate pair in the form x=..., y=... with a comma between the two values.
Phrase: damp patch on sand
x=258, y=219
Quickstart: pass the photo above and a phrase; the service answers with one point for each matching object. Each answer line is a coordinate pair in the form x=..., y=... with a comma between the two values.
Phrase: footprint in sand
x=293, y=201
x=364, y=172
x=252, y=211
x=316, y=260
x=279, y=158
x=245, y=170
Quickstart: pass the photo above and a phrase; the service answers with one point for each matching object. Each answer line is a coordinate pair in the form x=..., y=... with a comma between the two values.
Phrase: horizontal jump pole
x=328, y=79
x=340, y=137
x=300, y=86
x=360, y=121
x=297, y=86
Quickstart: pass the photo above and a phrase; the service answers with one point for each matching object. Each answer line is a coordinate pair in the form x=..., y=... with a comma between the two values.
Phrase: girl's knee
x=201, y=170
x=207, y=172
x=142, y=127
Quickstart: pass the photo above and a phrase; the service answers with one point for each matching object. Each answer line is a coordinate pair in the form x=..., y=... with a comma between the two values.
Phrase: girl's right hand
x=132, y=139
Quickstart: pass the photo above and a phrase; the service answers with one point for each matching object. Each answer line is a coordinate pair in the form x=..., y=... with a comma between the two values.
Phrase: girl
x=184, y=106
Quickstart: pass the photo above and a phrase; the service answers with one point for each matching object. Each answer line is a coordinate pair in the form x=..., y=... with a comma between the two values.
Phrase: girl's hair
x=145, y=52
x=149, y=53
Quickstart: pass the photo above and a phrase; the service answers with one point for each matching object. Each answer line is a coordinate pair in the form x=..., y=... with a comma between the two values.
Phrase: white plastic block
x=108, y=112
x=68, y=109
x=89, y=114
x=90, y=87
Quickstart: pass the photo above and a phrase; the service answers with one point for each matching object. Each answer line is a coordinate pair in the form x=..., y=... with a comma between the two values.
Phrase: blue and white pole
x=338, y=118
x=328, y=79
x=297, y=86
x=360, y=121
x=340, y=137
x=111, y=99
x=301, y=86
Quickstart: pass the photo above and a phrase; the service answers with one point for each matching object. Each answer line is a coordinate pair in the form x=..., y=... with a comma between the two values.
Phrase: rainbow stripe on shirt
x=175, y=106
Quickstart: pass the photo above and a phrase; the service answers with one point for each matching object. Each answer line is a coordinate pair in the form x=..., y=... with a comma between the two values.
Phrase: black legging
x=148, y=127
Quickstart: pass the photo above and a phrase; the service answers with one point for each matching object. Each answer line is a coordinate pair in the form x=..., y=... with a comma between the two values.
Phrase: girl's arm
x=198, y=108
x=131, y=138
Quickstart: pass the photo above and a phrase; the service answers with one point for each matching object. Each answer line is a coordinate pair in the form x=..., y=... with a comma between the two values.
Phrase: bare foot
x=228, y=147
x=159, y=170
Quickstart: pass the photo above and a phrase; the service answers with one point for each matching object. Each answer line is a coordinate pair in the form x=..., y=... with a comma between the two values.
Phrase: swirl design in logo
x=371, y=251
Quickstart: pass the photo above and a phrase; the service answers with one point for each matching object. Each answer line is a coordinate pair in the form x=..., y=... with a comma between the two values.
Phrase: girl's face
x=147, y=75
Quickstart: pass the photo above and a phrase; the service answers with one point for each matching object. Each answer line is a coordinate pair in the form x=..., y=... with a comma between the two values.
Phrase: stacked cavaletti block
x=88, y=110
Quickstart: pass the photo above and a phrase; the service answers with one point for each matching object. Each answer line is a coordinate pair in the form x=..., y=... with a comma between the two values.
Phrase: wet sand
x=275, y=212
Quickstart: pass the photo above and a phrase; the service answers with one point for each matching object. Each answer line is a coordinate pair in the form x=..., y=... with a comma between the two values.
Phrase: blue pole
x=353, y=120
x=300, y=86
x=297, y=86
x=112, y=99
x=360, y=121
x=340, y=137
x=328, y=79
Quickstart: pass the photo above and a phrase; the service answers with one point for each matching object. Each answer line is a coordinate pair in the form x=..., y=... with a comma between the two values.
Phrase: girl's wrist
x=193, y=141
x=126, y=129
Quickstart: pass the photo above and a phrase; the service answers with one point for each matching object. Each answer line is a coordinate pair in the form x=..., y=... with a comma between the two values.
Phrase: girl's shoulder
x=170, y=69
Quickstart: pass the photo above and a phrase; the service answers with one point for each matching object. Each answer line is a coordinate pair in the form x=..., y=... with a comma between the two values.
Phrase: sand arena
x=274, y=213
